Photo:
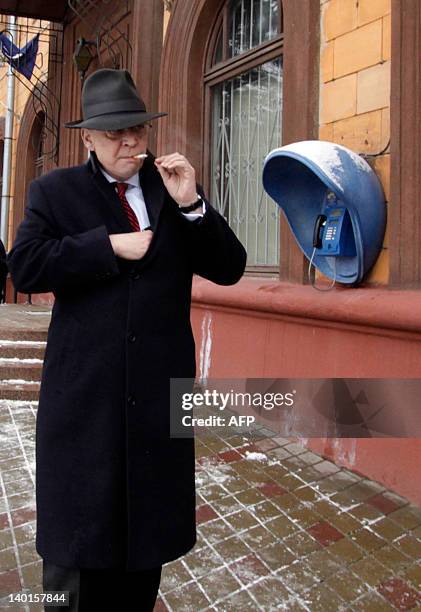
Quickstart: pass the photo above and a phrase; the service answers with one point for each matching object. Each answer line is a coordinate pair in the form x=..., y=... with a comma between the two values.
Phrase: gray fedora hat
x=110, y=102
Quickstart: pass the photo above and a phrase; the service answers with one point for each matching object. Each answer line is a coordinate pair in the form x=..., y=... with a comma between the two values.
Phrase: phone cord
x=313, y=283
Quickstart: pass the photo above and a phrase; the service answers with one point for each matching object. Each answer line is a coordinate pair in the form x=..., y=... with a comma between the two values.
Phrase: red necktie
x=121, y=189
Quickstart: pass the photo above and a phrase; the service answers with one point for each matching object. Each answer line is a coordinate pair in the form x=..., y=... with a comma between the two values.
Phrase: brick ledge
x=372, y=306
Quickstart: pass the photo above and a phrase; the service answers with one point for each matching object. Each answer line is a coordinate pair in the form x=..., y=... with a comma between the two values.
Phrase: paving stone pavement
x=279, y=528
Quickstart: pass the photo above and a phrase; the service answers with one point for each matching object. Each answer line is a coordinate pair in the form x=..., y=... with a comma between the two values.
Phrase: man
x=115, y=492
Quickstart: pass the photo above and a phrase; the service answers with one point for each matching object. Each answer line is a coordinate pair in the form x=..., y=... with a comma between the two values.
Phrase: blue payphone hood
x=298, y=175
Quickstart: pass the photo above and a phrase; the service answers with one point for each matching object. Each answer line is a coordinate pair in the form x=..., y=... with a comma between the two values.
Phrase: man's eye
x=114, y=133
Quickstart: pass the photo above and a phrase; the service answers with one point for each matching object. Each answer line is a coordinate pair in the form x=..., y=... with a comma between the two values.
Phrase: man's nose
x=129, y=139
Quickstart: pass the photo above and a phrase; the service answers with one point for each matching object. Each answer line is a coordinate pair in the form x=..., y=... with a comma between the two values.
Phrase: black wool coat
x=112, y=486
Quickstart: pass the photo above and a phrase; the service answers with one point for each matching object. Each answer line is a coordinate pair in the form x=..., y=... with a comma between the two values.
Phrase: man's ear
x=86, y=136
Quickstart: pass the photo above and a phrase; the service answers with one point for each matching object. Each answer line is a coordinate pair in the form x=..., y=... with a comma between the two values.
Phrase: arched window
x=37, y=141
x=32, y=154
x=243, y=80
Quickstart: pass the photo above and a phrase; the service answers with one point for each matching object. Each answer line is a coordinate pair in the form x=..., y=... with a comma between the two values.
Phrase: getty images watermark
x=328, y=407
x=220, y=401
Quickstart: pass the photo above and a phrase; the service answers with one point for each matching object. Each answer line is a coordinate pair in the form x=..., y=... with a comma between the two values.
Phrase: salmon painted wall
x=261, y=328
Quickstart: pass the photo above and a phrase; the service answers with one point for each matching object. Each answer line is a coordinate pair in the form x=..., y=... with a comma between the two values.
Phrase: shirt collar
x=133, y=180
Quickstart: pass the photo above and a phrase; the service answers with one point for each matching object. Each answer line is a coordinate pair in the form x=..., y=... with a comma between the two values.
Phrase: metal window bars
x=247, y=112
x=252, y=22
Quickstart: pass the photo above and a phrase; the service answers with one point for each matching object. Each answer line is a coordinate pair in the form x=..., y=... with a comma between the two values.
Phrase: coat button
x=131, y=400
x=135, y=275
x=131, y=337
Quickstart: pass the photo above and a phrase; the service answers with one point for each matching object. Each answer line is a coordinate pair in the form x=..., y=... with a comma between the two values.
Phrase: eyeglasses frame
x=119, y=134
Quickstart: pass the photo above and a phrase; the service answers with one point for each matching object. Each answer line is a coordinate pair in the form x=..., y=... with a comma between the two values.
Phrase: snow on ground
x=35, y=312
x=253, y=456
x=22, y=342
x=18, y=381
x=7, y=360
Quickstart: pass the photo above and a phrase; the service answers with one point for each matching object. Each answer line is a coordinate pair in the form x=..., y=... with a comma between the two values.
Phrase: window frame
x=181, y=94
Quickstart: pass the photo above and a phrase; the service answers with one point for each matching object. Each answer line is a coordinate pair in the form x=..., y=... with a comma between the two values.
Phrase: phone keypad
x=330, y=233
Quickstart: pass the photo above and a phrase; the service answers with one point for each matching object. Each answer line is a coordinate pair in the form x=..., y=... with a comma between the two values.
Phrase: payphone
x=334, y=204
x=333, y=234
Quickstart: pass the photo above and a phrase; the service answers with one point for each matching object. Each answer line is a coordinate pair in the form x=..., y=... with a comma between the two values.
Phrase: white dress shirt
x=134, y=195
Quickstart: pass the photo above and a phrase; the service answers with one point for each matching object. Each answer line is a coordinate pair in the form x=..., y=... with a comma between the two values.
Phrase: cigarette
x=140, y=156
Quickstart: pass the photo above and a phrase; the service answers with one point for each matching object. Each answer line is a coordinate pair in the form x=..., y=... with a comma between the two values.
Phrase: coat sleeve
x=216, y=252
x=42, y=259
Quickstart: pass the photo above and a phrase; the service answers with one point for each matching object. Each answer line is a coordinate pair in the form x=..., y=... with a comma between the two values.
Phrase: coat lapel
x=152, y=187
x=109, y=194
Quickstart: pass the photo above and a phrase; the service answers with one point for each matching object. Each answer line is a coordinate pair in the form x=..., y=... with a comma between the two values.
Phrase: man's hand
x=179, y=177
x=132, y=245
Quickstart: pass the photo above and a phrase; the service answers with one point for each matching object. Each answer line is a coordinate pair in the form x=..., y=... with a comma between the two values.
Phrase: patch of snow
x=202, y=478
x=206, y=346
x=327, y=156
x=18, y=381
x=18, y=402
x=35, y=312
x=25, y=342
x=6, y=360
x=218, y=471
x=254, y=456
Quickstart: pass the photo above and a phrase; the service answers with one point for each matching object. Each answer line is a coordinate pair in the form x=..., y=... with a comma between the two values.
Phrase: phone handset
x=333, y=234
x=318, y=231
x=319, y=227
